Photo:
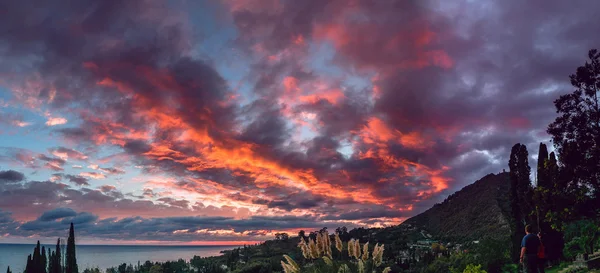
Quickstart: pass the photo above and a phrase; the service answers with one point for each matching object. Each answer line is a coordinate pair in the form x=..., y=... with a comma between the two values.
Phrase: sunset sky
x=220, y=121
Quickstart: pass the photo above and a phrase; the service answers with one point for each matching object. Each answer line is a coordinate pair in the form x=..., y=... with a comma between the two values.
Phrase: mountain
x=477, y=211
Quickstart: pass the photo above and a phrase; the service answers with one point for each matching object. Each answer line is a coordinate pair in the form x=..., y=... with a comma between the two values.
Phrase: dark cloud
x=53, y=163
x=419, y=99
x=11, y=176
x=57, y=213
x=113, y=170
x=78, y=180
x=174, y=202
x=107, y=188
x=56, y=222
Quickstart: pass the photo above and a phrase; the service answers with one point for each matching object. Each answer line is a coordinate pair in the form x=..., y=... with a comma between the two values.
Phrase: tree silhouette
x=542, y=177
x=520, y=195
x=8, y=270
x=28, y=266
x=43, y=261
x=576, y=135
x=302, y=234
x=50, y=261
x=57, y=260
x=71, y=259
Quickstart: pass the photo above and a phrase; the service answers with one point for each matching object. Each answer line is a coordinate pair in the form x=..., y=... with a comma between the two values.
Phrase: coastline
x=106, y=256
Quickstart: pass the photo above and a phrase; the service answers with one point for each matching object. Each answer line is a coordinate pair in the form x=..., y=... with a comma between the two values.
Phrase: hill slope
x=475, y=212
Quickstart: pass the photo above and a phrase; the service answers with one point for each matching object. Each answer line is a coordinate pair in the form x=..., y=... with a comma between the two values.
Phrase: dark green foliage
x=493, y=255
x=206, y=265
x=576, y=135
x=454, y=263
x=125, y=268
x=71, y=258
x=581, y=237
x=8, y=270
x=256, y=267
x=179, y=266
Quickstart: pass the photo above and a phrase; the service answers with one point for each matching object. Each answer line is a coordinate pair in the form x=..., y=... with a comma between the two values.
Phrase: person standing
x=529, y=250
x=541, y=255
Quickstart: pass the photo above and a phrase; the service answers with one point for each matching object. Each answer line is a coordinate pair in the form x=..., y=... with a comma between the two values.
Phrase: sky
x=227, y=121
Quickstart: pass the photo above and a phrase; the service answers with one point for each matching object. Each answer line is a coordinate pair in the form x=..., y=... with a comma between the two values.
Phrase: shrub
x=474, y=269
x=510, y=268
x=320, y=257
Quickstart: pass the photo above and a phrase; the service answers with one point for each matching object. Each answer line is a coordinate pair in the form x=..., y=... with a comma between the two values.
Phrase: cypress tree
x=50, y=261
x=36, y=259
x=517, y=224
x=8, y=270
x=542, y=176
x=44, y=261
x=521, y=194
x=71, y=262
x=57, y=260
x=28, y=267
x=552, y=170
x=542, y=190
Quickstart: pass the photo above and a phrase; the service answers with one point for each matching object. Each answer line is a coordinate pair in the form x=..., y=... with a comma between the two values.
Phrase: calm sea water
x=15, y=255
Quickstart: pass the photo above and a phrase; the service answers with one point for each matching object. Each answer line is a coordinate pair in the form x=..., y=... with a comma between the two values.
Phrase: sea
x=106, y=256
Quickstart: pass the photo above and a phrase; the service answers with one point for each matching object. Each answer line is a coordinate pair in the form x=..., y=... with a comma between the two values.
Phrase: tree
x=576, y=134
x=302, y=234
x=585, y=233
x=57, y=260
x=342, y=232
x=520, y=195
x=28, y=266
x=50, y=261
x=542, y=192
x=44, y=260
x=156, y=269
x=282, y=236
x=8, y=270
x=71, y=259
x=542, y=177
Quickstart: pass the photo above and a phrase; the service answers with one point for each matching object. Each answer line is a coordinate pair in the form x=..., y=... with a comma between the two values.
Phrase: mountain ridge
x=477, y=211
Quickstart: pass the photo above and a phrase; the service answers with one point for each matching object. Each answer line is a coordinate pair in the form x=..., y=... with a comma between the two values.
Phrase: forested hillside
x=475, y=212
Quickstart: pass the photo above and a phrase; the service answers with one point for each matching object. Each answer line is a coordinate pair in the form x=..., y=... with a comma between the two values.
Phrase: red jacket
x=541, y=253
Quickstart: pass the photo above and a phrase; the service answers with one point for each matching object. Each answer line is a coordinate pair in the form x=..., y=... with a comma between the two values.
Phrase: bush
x=474, y=269
x=510, y=268
x=581, y=237
x=574, y=247
x=493, y=255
